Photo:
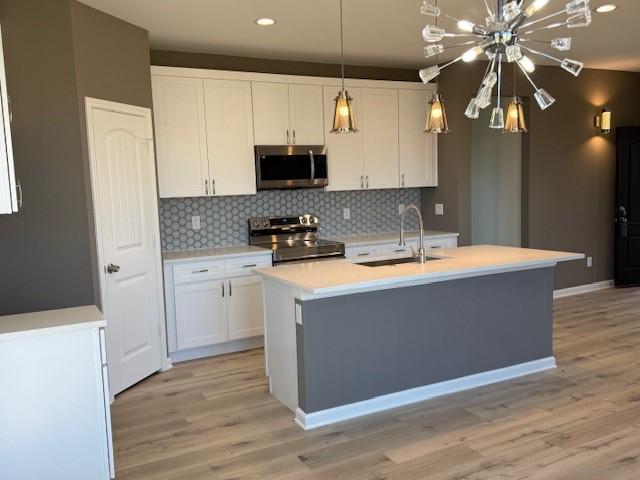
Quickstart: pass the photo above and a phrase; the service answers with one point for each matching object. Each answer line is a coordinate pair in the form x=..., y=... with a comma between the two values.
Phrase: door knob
x=111, y=268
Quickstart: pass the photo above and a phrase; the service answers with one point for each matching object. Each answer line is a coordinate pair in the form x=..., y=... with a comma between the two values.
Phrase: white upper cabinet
x=305, y=114
x=344, y=150
x=179, y=114
x=286, y=114
x=229, y=120
x=9, y=198
x=271, y=113
x=380, y=137
x=418, y=150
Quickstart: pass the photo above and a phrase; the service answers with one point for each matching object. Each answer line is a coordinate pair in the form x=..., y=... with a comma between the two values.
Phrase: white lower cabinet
x=201, y=314
x=245, y=311
x=213, y=305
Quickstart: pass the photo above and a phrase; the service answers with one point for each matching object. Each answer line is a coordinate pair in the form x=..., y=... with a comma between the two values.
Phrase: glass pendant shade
x=572, y=66
x=429, y=73
x=490, y=80
x=543, y=98
x=344, y=120
x=428, y=8
x=577, y=6
x=603, y=121
x=472, y=111
x=484, y=97
x=437, y=119
x=497, y=118
x=511, y=10
x=515, y=122
x=563, y=44
x=514, y=53
x=432, y=34
x=579, y=20
x=433, y=50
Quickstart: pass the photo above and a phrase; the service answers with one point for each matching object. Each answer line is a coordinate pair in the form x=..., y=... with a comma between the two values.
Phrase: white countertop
x=317, y=279
x=357, y=240
x=217, y=252
x=244, y=250
x=50, y=321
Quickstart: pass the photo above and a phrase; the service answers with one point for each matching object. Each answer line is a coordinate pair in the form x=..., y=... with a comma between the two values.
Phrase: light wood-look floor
x=214, y=419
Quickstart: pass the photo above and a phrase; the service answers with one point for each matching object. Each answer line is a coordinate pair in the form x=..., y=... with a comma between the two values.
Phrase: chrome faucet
x=421, y=250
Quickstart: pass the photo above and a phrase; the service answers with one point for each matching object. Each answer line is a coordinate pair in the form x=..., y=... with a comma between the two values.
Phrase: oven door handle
x=313, y=165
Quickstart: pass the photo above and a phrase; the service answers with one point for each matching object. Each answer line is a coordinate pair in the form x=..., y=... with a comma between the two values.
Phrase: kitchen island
x=344, y=339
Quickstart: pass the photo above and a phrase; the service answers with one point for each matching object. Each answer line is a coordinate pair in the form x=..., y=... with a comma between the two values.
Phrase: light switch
x=195, y=222
x=439, y=208
x=346, y=213
x=589, y=262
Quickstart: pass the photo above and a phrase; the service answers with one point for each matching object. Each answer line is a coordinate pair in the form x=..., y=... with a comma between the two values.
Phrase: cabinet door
x=229, y=119
x=418, y=150
x=179, y=116
x=245, y=307
x=201, y=314
x=8, y=193
x=344, y=151
x=380, y=137
x=271, y=113
x=306, y=114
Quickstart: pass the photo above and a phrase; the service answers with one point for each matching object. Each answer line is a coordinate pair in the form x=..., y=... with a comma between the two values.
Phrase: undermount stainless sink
x=396, y=261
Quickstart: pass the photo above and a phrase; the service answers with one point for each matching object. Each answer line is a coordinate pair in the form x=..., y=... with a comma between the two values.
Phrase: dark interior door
x=628, y=207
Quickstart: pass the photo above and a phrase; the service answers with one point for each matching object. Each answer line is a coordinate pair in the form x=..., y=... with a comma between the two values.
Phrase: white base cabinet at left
x=54, y=402
x=214, y=306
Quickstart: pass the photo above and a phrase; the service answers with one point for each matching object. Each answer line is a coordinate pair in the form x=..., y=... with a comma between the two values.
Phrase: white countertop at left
x=51, y=321
x=216, y=252
x=339, y=277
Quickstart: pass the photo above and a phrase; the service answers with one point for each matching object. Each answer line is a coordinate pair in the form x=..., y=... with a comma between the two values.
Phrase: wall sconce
x=602, y=121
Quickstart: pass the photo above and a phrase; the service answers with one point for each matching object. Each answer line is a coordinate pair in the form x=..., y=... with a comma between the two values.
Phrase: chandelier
x=507, y=36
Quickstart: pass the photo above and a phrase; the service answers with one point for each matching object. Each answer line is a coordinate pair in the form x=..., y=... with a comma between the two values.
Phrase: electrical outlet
x=589, y=262
x=346, y=213
x=195, y=222
x=401, y=209
x=439, y=208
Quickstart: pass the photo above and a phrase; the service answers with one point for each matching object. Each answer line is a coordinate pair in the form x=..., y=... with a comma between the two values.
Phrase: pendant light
x=437, y=117
x=515, y=122
x=343, y=119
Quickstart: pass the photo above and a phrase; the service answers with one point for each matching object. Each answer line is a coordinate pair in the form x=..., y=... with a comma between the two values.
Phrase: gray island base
x=339, y=357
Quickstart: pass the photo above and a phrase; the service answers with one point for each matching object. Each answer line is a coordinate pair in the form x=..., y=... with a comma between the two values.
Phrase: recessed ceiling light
x=265, y=22
x=609, y=7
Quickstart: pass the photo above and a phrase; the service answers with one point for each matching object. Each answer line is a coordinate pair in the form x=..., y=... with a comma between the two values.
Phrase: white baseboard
x=329, y=416
x=213, y=350
x=590, y=287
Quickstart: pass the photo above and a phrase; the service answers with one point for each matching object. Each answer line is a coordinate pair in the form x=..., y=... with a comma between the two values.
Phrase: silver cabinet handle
x=294, y=136
x=403, y=179
x=204, y=270
x=111, y=268
x=288, y=139
x=213, y=186
x=223, y=289
x=361, y=181
x=367, y=181
x=399, y=250
x=230, y=289
x=19, y=188
x=312, y=161
x=206, y=187
x=250, y=266
x=366, y=254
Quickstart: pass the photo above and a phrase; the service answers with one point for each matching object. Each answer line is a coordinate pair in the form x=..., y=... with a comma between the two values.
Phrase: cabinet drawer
x=393, y=251
x=242, y=266
x=197, y=272
x=441, y=243
x=363, y=253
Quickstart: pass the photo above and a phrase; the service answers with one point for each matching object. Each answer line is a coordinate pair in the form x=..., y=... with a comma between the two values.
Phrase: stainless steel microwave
x=291, y=166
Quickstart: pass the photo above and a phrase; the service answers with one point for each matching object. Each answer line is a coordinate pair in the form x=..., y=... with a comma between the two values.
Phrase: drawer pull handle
x=250, y=266
x=399, y=250
x=436, y=246
x=366, y=254
x=204, y=270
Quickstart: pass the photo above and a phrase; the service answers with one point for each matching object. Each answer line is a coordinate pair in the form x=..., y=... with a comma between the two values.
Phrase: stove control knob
x=265, y=223
x=256, y=224
x=315, y=219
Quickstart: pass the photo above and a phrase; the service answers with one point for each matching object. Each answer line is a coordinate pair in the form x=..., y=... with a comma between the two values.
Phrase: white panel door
x=8, y=193
x=229, y=117
x=418, y=152
x=245, y=307
x=344, y=151
x=178, y=108
x=126, y=211
x=380, y=137
x=201, y=314
x=271, y=113
x=306, y=114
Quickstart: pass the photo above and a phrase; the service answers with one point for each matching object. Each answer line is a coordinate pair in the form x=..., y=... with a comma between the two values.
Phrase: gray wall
x=568, y=169
x=56, y=52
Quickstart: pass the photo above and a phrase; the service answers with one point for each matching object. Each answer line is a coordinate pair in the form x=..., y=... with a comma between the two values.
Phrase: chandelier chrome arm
x=534, y=22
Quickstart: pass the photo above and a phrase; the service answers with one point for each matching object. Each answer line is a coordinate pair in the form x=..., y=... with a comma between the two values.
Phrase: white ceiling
x=377, y=32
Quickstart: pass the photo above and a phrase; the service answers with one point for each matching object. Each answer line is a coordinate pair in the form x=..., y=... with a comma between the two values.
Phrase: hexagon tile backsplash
x=224, y=219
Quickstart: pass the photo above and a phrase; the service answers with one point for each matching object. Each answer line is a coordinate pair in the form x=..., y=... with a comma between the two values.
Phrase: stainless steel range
x=293, y=239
